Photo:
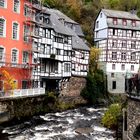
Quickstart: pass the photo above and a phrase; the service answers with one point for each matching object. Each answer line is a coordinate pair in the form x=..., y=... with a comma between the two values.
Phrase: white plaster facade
x=119, y=42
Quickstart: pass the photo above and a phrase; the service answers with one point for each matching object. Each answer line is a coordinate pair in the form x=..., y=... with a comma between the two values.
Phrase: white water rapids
x=78, y=124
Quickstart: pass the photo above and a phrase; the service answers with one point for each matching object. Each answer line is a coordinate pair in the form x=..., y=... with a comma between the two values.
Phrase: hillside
x=85, y=11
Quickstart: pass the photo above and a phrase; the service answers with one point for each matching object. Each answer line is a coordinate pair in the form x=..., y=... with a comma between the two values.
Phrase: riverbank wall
x=19, y=108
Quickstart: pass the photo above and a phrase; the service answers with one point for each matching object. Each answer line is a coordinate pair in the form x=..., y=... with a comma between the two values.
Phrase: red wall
x=9, y=43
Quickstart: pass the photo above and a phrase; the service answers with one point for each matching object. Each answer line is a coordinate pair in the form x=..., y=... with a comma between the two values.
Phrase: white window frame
x=5, y=4
x=2, y=60
x=18, y=30
x=23, y=59
x=12, y=55
x=4, y=29
x=18, y=11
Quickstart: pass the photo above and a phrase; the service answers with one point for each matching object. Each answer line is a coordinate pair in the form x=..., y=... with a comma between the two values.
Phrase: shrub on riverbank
x=111, y=116
x=95, y=87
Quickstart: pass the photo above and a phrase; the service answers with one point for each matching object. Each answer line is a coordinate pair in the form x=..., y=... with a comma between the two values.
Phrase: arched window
x=15, y=34
x=2, y=27
x=16, y=7
x=14, y=56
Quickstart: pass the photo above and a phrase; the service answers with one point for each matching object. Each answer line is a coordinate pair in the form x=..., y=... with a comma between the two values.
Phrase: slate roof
x=58, y=26
x=62, y=16
x=120, y=14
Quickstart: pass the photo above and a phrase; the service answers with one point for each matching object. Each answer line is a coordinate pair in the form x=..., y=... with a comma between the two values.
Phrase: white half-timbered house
x=80, y=50
x=117, y=34
x=54, y=45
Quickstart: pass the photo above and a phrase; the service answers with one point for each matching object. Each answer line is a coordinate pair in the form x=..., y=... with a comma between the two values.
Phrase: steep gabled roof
x=59, y=27
x=120, y=14
x=63, y=16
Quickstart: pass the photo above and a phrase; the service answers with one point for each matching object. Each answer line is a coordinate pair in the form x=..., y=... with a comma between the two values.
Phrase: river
x=77, y=124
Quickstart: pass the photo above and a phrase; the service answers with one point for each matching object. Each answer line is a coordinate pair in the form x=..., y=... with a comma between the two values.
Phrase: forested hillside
x=85, y=11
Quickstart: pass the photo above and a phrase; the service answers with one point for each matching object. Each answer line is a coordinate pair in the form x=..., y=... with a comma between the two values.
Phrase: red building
x=15, y=53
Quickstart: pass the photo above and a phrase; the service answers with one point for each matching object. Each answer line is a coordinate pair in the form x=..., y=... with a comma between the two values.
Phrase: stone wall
x=133, y=118
x=73, y=86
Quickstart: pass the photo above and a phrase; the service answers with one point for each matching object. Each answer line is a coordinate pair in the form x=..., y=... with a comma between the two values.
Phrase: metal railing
x=22, y=93
x=132, y=86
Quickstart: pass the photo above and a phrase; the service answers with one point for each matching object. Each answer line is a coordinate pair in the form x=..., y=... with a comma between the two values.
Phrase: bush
x=111, y=116
x=95, y=87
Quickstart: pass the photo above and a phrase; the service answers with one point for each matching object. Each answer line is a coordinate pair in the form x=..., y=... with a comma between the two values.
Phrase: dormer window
x=124, y=22
x=97, y=24
x=101, y=15
x=115, y=21
x=133, y=23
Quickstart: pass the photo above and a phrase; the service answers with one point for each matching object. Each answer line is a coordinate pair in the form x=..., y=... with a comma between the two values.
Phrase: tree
x=9, y=81
x=94, y=56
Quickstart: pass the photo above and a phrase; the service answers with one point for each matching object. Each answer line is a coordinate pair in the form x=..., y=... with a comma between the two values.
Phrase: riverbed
x=83, y=123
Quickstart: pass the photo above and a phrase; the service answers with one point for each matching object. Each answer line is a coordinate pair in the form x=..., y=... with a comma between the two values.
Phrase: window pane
x=1, y=54
x=2, y=22
x=15, y=31
x=25, y=57
x=2, y=3
x=16, y=6
x=14, y=56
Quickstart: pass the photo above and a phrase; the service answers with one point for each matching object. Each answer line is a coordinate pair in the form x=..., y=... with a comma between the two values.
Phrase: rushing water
x=78, y=124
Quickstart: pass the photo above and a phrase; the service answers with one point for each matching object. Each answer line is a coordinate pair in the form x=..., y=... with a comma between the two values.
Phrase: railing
x=22, y=93
x=132, y=86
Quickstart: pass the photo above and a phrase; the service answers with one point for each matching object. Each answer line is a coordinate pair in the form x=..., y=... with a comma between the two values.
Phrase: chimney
x=133, y=11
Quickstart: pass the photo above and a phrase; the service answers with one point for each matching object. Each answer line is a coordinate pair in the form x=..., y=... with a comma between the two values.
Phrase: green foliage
x=95, y=87
x=111, y=116
x=61, y=106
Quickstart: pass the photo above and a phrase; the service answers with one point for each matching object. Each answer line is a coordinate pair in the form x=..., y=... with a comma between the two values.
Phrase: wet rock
x=86, y=130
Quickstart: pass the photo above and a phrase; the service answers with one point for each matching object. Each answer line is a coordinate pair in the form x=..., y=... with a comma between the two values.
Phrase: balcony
x=22, y=93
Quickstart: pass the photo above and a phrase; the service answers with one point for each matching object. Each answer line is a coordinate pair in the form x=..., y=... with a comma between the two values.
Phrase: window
x=1, y=54
x=14, y=56
x=114, y=55
x=15, y=34
x=67, y=67
x=67, y=53
x=122, y=67
x=58, y=51
x=124, y=22
x=133, y=56
x=115, y=22
x=113, y=66
x=101, y=15
x=123, y=56
x=48, y=49
x=133, y=33
x=24, y=84
x=25, y=57
x=3, y=3
x=133, y=45
x=2, y=27
x=26, y=33
x=42, y=48
x=17, y=6
x=132, y=67
x=123, y=44
x=97, y=24
x=113, y=84
x=26, y=10
x=112, y=75
x=124, y=33
x=114, y=32
x=114, y=43
x=133, y=23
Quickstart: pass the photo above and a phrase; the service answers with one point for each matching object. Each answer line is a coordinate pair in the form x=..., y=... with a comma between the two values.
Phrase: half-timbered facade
x=53, y=46
x=39, y=46
x=117, y=34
